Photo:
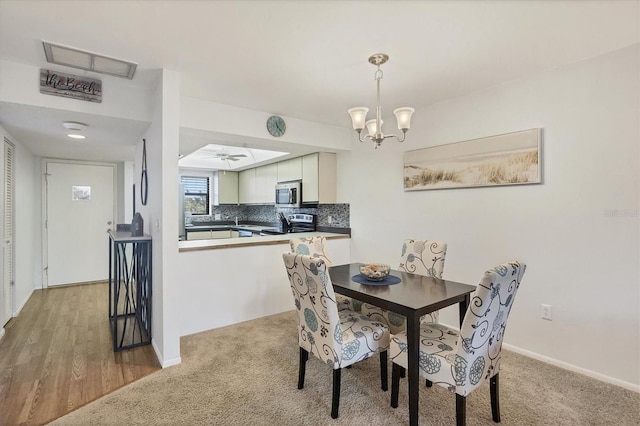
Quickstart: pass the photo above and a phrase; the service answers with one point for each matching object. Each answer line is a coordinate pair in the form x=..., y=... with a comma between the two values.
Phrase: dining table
x=412, y=296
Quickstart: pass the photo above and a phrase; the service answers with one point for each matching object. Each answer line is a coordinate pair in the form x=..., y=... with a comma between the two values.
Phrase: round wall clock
x=276, y=126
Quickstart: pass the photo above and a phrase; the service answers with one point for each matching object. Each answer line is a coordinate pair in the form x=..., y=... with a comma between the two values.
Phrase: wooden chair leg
x=461, y=410
x=403, y=372
x=384, y=373
x=495, y=398
x=428, y=383
x=304, y=356
x=335, y=401
x=395, y=384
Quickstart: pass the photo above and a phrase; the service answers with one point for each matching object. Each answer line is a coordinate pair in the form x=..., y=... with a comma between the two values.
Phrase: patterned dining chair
x=316, y=247
x=422, y=257
x=338, y=338
x=462, y=361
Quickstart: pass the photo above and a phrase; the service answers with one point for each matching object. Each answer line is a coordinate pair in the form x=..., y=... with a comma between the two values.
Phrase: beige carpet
x=246, y=374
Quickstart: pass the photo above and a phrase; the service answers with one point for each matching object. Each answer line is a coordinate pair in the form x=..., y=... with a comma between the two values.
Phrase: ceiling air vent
x=68, y=56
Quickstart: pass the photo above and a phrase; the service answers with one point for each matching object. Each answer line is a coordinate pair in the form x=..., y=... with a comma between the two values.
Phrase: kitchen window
x=196, y=194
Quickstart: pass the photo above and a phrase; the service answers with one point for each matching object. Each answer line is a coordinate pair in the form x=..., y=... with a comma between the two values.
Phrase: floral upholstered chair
x=338, y=339
x=463, y=361
x=422, y=257
x=316, y=247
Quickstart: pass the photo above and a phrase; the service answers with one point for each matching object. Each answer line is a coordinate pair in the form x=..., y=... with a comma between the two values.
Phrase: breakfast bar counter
x=226, y=281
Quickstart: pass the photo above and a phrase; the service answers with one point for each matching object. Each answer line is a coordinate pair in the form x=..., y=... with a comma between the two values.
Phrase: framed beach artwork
x=508, y=159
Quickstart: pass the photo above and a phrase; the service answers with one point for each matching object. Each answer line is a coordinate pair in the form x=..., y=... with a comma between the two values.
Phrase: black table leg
x=413, y=359
x=462, y=307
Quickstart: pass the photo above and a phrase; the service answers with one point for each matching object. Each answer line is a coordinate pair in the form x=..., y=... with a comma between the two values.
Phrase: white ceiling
x=304, y=59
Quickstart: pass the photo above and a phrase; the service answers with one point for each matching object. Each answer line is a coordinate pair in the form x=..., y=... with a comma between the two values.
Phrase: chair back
x=315, y=247
x=423, y=257
x=319, y=330
x=480, y=341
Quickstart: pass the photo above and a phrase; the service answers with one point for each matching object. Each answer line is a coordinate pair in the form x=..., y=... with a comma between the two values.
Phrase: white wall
x=126, y=99
x=233, y=124
x=228, y=286
x=162, y=171
x=26, y=222
x=581, y=260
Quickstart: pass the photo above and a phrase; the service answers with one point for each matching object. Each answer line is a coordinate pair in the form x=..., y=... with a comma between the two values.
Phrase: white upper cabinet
x=266, y=179
x=319, y=178
x=247, y=186
x=317, y=172
x=257, y=185
x=227, y=187
x=290, y=169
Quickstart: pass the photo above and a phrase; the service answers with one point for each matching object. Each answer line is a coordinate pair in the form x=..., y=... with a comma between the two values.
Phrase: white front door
x=8, y=265
x=79, y=212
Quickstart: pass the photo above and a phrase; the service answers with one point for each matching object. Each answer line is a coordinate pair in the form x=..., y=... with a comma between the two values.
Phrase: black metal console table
x=129, y=289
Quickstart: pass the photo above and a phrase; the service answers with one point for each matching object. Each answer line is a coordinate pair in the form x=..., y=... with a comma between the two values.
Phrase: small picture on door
x=80, y=193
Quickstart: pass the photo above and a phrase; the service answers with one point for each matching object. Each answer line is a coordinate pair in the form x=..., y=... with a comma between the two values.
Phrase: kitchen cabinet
x=198, y=235
x=208, y=234
x=266, y=179
x=257, y=185
x=247, y=186
x=290, y=169
x=221, y=234
x=319, y=178
x=227, y=187
x=317, y=172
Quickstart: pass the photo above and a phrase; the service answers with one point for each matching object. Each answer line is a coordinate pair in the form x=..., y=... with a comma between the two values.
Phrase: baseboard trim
x=574, y=368
x=567, y=366
x=17, y=312
x=164, y=363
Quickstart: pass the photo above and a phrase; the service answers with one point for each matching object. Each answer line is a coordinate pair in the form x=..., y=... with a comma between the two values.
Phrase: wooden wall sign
x=70, y=86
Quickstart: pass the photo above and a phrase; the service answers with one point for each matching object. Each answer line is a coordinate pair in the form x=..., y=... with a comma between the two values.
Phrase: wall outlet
x=545, y=312
x=329, y=219
x=216, y=216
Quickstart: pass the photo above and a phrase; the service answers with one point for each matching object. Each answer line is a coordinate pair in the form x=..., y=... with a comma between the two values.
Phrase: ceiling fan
x=225, y=156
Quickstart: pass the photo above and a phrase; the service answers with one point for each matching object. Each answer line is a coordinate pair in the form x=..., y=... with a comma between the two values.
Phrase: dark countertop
x=254, y=227
x=225, y=227
x=226, y=243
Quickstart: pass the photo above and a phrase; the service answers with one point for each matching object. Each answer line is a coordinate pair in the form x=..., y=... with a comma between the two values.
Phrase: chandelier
x=374, y=126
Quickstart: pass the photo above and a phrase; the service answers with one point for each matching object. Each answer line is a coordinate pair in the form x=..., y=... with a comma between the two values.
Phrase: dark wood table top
x=415, y=294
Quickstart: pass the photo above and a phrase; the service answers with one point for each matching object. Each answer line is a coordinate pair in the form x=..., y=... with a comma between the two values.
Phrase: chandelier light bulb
x=372, y=127
x=403, y=115
x=358, y=117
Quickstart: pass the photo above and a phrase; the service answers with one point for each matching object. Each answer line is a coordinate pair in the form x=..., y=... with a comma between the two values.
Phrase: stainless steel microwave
x=289, y=194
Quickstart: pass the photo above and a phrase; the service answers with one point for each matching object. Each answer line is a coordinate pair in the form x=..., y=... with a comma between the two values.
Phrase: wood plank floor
x=57, y=355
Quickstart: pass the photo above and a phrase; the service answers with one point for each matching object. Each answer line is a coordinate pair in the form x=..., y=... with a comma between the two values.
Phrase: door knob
x=109, y=223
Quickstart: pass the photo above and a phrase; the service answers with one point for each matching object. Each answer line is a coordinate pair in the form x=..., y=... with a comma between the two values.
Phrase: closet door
x=8, y=234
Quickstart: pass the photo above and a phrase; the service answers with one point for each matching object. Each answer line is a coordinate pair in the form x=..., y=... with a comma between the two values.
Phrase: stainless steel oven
x=289, y=194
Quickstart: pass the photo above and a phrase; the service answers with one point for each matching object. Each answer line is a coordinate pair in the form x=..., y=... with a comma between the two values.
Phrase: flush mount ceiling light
x=75, y=129
x=71, y=57
x=374, y=126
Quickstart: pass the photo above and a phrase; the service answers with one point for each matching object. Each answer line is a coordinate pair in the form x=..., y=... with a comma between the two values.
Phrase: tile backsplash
x=268, y=214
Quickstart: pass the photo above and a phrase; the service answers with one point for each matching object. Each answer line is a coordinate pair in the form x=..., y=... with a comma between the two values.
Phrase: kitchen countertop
x=184, y=246
x=253, y=228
